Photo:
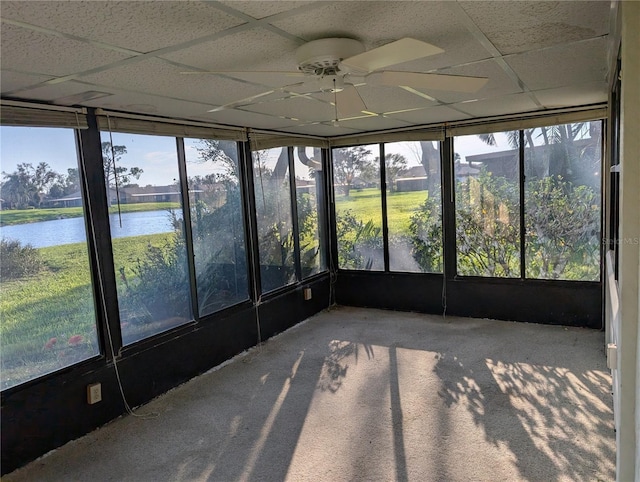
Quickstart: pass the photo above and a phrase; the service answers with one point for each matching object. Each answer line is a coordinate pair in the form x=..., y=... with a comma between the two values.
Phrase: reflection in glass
x=47, y=310
x=487, y=204
x=141, y=173
x=562, y=201
x=414, y=213
x=308, y=178
x=358, y=203
x=217, y=223
x=274, y=218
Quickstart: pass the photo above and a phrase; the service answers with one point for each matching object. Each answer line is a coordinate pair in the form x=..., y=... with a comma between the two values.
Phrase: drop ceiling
x=537, y=55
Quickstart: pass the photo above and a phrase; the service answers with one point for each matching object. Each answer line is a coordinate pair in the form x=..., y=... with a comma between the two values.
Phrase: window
x=414, y=212
x=487, y=198
x=308, y=179
x=147, y=230
x=358, y=204
x=562, y=201
x=47, y=307
x=272, y=189
x=217, y=223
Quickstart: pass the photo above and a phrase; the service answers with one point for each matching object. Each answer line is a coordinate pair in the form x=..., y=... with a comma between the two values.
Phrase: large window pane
x=217, y=223
x=273, y=211
x=486, y=169
x=147, y=229
x=308, y=176
x=356, y=179
x=414, y=212
x=47, y=307
x=562, y=201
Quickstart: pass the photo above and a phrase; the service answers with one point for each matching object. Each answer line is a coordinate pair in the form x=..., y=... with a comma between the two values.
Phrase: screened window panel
x=48, y=318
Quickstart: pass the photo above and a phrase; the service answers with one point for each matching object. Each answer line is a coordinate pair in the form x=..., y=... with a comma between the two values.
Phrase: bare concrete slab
x=359, y=394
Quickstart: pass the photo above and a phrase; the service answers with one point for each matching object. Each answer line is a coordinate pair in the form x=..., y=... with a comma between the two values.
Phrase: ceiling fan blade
x=349, y=102
x=403, y=50
x=288, y=73
x=451, y=83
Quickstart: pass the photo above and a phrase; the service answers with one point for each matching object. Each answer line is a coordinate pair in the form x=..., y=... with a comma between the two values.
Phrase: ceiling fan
x=337, y=66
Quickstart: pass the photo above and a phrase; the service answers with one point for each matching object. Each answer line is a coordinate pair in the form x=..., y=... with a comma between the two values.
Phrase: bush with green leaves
x=426, y=235
x=360, y=244
x=18, y=260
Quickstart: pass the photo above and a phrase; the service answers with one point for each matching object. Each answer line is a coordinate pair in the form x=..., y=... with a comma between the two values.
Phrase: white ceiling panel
x=29, y=51
x=257, y=49
x=11, y=81
x=239, y=117
x=263, y=9
x=373, y=123
x=529, y=25
x=157, y=77
x=589, y=93
x=141, y=26
x=53, y=92
x=324, y=130
x=563, y=65
x=430, y=115
x=381, y=99
x=302, y=108
x=499, y=82
x=378, y=23
x=508, y=104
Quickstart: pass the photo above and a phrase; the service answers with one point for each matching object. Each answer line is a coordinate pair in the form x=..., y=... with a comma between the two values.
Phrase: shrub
x=18, y=261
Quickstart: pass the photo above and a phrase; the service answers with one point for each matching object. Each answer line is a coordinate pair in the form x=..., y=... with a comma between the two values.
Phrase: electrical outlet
x=94, y=393
x=307, y=294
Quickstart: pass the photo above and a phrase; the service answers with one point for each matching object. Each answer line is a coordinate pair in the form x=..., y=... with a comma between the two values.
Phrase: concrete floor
x=359, y=394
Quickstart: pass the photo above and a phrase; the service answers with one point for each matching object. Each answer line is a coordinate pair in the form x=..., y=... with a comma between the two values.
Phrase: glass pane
x=562, y=201
x=308, y=170
x=488, y=204
x=147, y=230
x=217, y=223
x=414, y=207
x=356, y=180
x=47, y=308
x=273, y=211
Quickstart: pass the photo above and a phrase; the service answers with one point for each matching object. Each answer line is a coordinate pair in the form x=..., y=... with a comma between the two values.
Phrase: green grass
x=56, y=303
x=23, y=216
x=366, y=204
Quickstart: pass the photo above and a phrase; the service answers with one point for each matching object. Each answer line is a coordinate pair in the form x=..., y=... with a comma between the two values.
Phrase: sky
x=156, y=155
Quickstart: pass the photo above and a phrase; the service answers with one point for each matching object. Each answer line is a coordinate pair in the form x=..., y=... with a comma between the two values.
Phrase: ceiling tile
x=563, y=65
x=34, y=52
x=264, y=9
x=373, y=123
x=53, y=92
x=429, y=115
x=11, y=81
x=499, y=82
x=508, y=104
x=583, y=94
x=324, y=130
x=380, y=99
x=378, y=23
x=302, y=108
x=157, y=77
x=257, y=49
x=141, y=26
x=239, y=117
x=529, y=25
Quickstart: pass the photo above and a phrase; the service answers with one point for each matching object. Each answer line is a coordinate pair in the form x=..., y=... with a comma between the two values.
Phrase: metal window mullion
x=294, y=215
x=448, y=209
x=321, y=182
x=383, y=198
x=523, y=226
x=251, y=223
x=92, y=181
x=188, y=233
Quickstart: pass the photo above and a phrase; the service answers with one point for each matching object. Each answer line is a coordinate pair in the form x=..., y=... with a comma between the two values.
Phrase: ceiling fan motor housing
x=321, y=57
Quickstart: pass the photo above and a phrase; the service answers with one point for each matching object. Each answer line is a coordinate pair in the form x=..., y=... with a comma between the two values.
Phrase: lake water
x=72, y=230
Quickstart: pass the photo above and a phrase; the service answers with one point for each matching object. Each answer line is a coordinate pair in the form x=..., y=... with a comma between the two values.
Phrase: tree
x=349, y=163
x=394, y=165
x=116, y=176
x=28, y=185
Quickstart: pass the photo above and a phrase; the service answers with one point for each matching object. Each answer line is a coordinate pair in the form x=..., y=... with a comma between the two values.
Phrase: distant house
x=72, y=200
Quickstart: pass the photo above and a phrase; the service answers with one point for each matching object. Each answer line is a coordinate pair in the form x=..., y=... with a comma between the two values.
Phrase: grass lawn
x=21, y=216
x=366, y=204
x=56, y=303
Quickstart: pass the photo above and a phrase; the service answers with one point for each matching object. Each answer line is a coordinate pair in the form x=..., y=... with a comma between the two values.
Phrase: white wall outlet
x=94, y=393
x=307, y=294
